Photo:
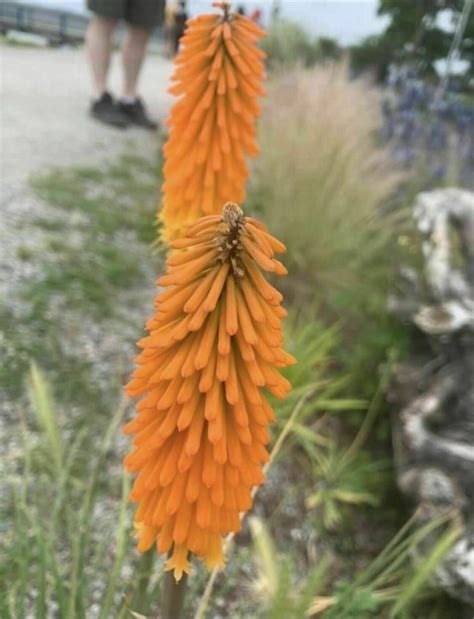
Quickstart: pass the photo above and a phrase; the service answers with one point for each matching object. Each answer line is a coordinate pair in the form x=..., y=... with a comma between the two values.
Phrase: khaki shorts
x=145, y=14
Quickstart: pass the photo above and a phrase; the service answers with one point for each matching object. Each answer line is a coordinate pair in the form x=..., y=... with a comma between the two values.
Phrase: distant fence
x=58, y=26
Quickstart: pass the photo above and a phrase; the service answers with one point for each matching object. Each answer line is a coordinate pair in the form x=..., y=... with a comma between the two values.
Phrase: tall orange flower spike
x=214, y=345
x=212, y=125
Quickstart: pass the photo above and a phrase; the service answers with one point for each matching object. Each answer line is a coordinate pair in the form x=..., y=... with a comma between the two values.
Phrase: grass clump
x=117, y=196
x=389, y=586
x=321, y=181
x=329, y=191
x=59, y=500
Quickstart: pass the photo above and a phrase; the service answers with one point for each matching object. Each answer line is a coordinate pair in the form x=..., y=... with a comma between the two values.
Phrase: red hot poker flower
x=214, y=347
x=218, y=80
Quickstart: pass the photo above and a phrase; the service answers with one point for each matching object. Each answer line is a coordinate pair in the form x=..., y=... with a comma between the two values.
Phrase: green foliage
x=413, y=35
x=342, y=476
x=329, y=48
x=43, y=405
x=288, y=44
x=324, y=186
x=274, y=584
x=314, y=346
x=60, y=553
x=342, y=481
x=374, y=55
x=389, y=582
x=116, y=197
x=422, y=572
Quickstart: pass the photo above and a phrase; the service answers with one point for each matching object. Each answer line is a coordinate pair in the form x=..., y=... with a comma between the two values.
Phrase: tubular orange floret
x=201, y=425
x=212, y=126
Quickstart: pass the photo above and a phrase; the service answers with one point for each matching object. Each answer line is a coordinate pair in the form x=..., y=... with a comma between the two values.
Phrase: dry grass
x=321, y=178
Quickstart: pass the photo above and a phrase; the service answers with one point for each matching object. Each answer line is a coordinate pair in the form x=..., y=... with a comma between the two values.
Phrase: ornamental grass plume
x=212, y=125
x=214, y=345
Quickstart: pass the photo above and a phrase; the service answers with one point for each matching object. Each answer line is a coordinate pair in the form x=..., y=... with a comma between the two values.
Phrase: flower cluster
x=214, y=345
x=212, y=125
x=433, y=135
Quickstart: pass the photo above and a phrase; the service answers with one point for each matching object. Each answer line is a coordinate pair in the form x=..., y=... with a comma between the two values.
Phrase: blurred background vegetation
x=329, y=535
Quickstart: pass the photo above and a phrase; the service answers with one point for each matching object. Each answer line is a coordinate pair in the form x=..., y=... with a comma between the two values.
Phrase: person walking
x=179, y=25
x=141, y=17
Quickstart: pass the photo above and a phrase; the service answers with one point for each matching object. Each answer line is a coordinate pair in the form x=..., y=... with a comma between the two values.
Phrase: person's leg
x=141, y=16
x=133, y=54
x=99, y=37
x=99, y=42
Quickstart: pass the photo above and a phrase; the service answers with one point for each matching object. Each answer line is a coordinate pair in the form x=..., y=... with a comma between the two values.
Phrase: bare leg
x=99, y=49
x=133, y=53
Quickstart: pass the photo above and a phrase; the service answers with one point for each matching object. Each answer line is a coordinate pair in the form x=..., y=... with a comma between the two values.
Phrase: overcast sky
x=346, y=20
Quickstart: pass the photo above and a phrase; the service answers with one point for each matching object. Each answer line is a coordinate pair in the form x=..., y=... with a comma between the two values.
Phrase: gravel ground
x=45, y=98
x=44, y=123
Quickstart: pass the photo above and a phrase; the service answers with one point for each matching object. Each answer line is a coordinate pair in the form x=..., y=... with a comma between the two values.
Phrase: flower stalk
x=172, y=597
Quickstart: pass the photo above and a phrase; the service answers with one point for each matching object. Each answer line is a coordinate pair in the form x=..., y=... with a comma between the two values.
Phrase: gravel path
x=45, y=97
x=44, y=123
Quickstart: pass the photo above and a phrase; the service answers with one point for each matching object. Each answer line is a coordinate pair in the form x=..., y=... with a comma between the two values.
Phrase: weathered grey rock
x=433, y=394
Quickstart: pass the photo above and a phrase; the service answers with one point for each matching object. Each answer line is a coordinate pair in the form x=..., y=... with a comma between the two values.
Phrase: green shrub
x=372, y=54
x=288, y=43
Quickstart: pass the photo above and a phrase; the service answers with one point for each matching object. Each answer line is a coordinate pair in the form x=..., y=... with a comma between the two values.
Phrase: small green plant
x=344, y=481
x=278, y=594
x=315, y=346
x=390, y=583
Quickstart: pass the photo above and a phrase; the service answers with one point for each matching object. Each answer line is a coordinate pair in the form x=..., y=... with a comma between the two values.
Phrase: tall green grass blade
x=139, y=602
x=268, y=570
x=81, y=539
x=120, y=548
x=374, y=575
x=65, y=479
x=315, y=581
x=424, y=571
x=41, y=585
x=44, y=408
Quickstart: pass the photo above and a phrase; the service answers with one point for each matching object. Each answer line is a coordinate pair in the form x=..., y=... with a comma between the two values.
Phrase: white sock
x=128, y=100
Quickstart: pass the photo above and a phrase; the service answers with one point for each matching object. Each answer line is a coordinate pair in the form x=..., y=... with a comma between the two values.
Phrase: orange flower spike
x=214, y=346
x=218, y=79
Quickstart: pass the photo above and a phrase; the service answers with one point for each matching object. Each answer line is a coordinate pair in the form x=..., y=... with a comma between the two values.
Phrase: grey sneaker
x=137, y=115
x=107, y=111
